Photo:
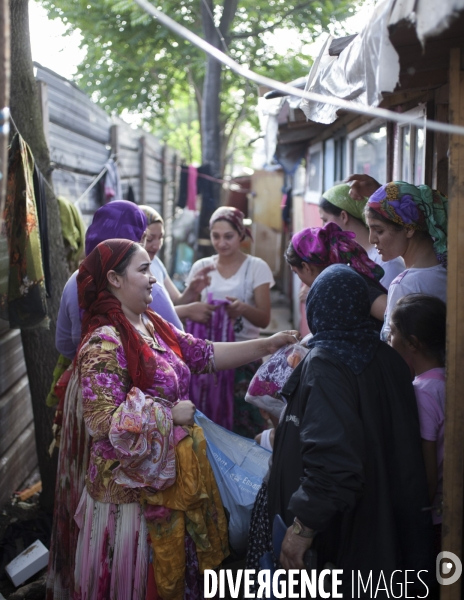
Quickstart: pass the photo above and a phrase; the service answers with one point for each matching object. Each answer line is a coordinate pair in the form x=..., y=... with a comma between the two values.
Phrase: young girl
x=418, y=333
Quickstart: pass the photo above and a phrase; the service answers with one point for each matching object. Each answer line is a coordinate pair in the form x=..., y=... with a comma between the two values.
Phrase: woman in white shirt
x=239, y=288
x=412, y=222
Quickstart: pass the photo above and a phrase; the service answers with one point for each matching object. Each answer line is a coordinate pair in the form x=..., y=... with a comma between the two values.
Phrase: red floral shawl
x=103, y=308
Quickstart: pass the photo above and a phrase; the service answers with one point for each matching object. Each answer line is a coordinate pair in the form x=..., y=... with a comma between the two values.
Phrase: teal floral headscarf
x=414, y=207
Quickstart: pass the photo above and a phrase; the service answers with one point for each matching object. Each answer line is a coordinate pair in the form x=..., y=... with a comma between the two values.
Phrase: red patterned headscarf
x=234, y=216
x=103, y=308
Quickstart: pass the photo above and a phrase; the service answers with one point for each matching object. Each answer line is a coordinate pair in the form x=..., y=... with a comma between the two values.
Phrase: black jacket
x=348, y=463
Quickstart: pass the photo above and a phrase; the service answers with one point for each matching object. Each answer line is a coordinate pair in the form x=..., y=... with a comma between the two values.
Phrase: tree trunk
x=4, y=96
x=38, y=344
x=210, y=109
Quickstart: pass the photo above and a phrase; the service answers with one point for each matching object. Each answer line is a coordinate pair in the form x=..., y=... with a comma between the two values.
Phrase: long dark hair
x=421, y=320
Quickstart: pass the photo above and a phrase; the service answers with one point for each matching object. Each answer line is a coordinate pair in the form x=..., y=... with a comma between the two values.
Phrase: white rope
x=91, y=186
x=370, y=111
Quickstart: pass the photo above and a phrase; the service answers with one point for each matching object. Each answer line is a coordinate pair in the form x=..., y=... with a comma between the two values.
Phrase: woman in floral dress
x=147, y=459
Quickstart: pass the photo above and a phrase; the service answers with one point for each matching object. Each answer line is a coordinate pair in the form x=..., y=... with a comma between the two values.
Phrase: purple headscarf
x=118, y=219
x=329, y=245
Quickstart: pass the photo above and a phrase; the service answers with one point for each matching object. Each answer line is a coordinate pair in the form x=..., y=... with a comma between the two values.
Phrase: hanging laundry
x=131, y=195
x=205, y=187
x=183, y=186
x=41, y=203
x=24, y=304
x=287, y=201
x=112, y=182
x=192, y=188
x=73, y=231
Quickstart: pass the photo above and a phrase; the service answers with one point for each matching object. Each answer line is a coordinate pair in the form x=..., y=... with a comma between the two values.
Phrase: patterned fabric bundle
x=23, y=302
x=206, y=389
x=234, y=217
x=337, y=309
x=330, y=245
x=414, y=207
x=102, y=308
x=193, y=503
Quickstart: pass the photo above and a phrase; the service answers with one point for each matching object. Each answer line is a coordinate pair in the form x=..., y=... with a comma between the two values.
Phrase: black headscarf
x=337, y=309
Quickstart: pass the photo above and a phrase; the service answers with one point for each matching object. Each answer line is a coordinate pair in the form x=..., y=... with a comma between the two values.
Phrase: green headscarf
x=339, y=196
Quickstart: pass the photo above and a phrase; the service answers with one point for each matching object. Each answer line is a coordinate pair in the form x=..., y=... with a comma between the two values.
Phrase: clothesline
x=243, y=71
x=216, y=180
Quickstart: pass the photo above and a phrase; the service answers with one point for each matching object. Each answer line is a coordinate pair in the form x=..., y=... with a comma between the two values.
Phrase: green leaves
x=134, y=63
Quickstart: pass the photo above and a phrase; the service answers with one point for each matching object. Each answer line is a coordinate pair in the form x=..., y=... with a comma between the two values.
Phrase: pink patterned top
x=133, y=436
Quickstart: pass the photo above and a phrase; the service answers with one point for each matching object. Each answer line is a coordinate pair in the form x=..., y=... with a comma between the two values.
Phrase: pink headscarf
x=331, y=245
x=234, y=216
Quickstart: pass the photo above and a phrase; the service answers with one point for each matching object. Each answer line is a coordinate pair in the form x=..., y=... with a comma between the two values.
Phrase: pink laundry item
x=430, y=388
x=192, y=188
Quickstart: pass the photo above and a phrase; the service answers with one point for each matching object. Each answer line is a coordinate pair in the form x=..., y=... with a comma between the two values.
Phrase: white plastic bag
x=239, y=465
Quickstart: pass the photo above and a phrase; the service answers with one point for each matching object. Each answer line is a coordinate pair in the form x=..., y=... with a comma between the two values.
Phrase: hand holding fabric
x=236, y=308
x=183, y=413
x=276, y=341
x=200, y=312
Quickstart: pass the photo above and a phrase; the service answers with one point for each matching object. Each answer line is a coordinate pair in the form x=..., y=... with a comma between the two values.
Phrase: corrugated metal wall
x=81, y=138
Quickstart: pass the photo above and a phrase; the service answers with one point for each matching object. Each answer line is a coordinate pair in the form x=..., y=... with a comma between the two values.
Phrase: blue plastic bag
x=239, y=465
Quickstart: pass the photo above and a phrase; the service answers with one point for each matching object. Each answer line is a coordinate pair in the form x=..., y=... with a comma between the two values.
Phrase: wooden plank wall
x=17, y=443
x=82, y=137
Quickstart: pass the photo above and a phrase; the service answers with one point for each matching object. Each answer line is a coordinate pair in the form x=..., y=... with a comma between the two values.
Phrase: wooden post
x=453, y=480
x=4, y=97
x=114, y=141
x=143, y=169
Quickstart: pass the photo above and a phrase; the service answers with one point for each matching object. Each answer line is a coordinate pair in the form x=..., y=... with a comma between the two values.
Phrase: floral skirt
x=112, y=554
x=73, y=460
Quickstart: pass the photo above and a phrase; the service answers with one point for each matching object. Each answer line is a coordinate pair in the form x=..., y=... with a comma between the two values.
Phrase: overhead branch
x=228, y=15
x=256, y=32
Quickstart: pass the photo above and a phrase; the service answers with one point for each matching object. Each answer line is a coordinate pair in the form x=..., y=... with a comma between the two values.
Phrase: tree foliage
x=135, y=63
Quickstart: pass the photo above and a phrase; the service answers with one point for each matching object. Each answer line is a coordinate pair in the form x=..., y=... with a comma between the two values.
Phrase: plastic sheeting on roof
x=370, y=64
x=430, y=17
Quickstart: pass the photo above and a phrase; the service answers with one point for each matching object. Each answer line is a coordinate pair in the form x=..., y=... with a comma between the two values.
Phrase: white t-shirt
x=392, y=268
x=431, y=281
x=252, y=273
x=158, y=270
